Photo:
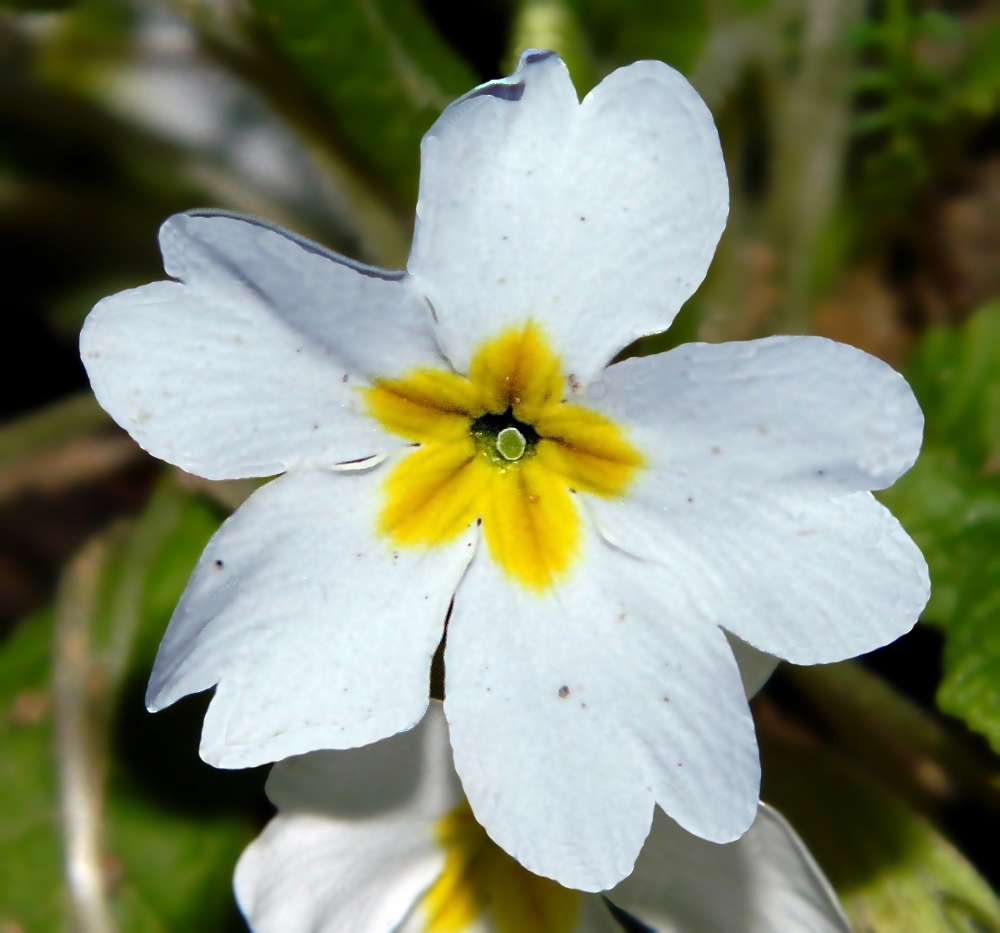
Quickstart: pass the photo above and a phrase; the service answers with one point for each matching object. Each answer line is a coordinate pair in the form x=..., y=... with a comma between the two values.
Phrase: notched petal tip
x=566, y=207
x=534, y=56
x=512, y=87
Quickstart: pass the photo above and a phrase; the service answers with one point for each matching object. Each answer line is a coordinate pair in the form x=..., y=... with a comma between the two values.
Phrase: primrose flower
x=456, y=450
x=380, y=839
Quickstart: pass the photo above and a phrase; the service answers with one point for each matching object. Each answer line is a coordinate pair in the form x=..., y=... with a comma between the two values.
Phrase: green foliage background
x=851, y=130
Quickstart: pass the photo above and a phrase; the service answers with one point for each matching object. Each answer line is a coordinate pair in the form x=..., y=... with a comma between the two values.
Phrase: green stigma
x=511, y=444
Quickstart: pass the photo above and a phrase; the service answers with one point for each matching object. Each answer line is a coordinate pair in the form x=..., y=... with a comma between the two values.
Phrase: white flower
x=594, y=554
x=380, y=839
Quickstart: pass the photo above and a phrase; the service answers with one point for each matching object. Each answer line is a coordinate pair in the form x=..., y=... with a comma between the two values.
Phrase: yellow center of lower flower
x=499, y=445
x=480, y=880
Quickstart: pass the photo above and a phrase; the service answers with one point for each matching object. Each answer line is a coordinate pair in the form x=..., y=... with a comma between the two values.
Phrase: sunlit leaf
x=176, y=868
x=950, y=503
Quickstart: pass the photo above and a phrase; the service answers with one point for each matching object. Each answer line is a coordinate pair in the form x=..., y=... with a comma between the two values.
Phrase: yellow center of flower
x=499, y=445
x=480, y=879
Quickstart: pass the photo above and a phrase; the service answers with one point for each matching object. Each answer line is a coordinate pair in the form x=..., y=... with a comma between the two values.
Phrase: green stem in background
x=65, y=420
x=151, y=531
x=80, y=758
x=811, y=128
x=893, y=738
x=552, y=24
x=761, y=281
x=228, y=493
x=92, y=649
x=67, y=444
x=733, y=43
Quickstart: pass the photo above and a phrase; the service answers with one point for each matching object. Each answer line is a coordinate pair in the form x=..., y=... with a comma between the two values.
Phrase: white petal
x=252, y=362
x=318, y=633
x=410, y=774
x=304, y=875
x=570, y=713
x=766, y=882
x=598, y=220
x=353, y=845
x=801, y=576
x=786, y=411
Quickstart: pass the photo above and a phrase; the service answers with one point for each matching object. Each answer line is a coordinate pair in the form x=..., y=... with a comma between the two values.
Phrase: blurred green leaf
x=950, y=504
x=892, y=871
x=196, y=521
x=894, y=739
x=36, y=6
x=684, y=329
x=82, y=47
x=169, y=868
x=77, y=416
x=978, y=87
x=382, y=69
x=624, y=31
x=903, y=89
x=30, y=850
x=939, y=25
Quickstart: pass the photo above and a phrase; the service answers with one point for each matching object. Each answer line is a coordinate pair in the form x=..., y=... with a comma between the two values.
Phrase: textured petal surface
x=317, y=632
x=570, y=713
x=766, y=882
x=786, y=411
x=802, y=576
x=251, y=363
x=758, y=453
x=596, y=219
x=353, y=845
